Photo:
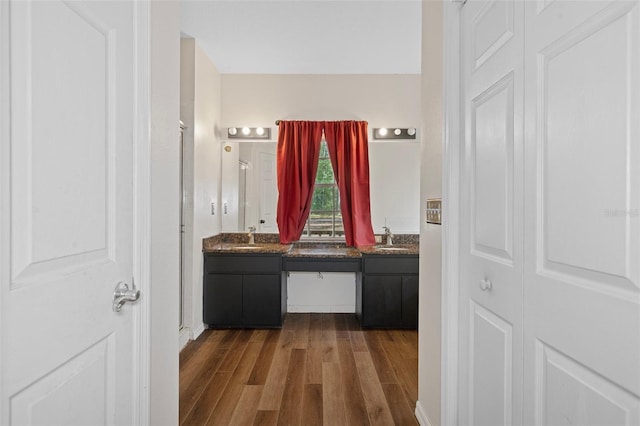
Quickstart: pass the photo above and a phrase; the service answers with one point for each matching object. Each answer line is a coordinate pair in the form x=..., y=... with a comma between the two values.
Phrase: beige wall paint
x=200, y=112
x=429, y=348
x=382, y=100
x=164, y=92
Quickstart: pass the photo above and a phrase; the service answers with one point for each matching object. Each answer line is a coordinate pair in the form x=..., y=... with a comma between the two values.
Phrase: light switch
x=434, y=210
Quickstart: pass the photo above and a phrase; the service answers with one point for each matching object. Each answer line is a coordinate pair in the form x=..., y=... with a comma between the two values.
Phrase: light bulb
x=397, y=132
x=246, y=131
x=260, y=131
x=233, y=131
x=382, y=132
x=411, y=131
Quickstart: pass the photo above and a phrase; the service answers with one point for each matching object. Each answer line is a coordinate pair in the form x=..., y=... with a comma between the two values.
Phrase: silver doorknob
x=123, y=294
x=485, y=285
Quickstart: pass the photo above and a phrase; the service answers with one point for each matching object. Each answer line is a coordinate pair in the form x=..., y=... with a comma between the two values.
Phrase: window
x=325, y=219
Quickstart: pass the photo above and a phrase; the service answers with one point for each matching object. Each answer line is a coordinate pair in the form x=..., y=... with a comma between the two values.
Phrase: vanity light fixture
x=249, y=133
x=394, y=133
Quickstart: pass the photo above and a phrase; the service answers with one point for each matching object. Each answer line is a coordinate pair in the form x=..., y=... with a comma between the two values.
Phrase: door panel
x=410, y=286
x=582, y=310
x=67, y=98
x=222, y=295
x=493, y=27
x=581, y=77
x=78, y=383
x=261, y=300
x=491, y=360
x=491, y=214
x=46, y=184
x=492, y=172
x=593, y=400
x=382, y=300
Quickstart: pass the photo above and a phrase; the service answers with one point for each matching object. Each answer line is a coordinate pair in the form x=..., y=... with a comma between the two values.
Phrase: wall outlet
x=378, y=238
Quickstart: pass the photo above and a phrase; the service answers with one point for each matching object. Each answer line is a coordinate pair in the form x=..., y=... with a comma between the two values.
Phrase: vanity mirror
x=249, y=192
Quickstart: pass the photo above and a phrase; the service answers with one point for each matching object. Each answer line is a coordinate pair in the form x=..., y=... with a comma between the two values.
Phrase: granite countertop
x=245, y=248
x=396, y=249
x=268, y=243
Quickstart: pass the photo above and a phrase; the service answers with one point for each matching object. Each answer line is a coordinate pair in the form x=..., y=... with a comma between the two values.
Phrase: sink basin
x=391, y=249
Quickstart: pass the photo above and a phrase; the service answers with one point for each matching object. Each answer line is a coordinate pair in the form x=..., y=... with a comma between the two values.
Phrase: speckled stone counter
x=395, y=249
x=210, y=247
x=269, y=243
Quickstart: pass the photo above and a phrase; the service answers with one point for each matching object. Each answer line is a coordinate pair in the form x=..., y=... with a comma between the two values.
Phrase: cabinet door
x=382, y=301
x=410, y=301
x=222, y=300
x=261, y=302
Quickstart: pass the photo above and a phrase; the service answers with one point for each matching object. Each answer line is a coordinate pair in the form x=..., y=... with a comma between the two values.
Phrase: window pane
x=322, y=198
x=325, y=171
x=324, y=151
x=325, y=219
x=321, y=224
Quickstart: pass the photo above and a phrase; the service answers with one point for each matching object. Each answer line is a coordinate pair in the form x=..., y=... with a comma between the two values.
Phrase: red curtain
x=348, y=145
x=297, y=163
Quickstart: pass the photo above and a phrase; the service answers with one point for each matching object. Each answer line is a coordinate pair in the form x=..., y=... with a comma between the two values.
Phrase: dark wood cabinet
x=243, y=290
x=387, y=293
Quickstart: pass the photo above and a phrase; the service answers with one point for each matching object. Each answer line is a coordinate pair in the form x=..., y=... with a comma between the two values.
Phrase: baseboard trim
x=421, y=415
x=184, y=335
x=197, y=331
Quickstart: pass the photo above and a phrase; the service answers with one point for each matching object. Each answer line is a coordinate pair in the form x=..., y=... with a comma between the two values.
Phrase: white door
x=66, y=141
x=582, y=215
x=268, y=193
x=491, y=251
x=562, y=344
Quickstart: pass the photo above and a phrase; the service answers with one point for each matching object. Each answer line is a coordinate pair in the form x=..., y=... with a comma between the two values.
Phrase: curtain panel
x=297, y=163
x=348, y=145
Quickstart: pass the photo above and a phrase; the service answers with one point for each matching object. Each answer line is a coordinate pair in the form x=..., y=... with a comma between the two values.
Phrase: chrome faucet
x=252, y=230
x=389, y=235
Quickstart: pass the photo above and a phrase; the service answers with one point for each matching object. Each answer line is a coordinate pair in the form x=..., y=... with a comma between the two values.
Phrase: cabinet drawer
x=242, y=264
x=390, y=265
x=321, y=265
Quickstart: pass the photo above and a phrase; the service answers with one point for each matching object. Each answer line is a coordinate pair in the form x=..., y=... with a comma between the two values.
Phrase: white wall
x=165, y=131
x=382, y=100
x=429, y=346
x=321, y=292
x=200, y=112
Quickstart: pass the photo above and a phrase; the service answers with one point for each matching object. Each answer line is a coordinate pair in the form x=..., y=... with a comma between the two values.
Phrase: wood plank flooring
x=319, y=369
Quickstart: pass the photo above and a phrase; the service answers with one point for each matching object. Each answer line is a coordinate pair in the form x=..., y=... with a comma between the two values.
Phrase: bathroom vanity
x=245, y=285
x=387, y=294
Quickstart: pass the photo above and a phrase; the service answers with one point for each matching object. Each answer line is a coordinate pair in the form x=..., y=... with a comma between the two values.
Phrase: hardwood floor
x=319, y=369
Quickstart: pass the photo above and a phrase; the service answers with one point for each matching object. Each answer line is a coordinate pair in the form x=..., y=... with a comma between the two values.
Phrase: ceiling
x=307, y=36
